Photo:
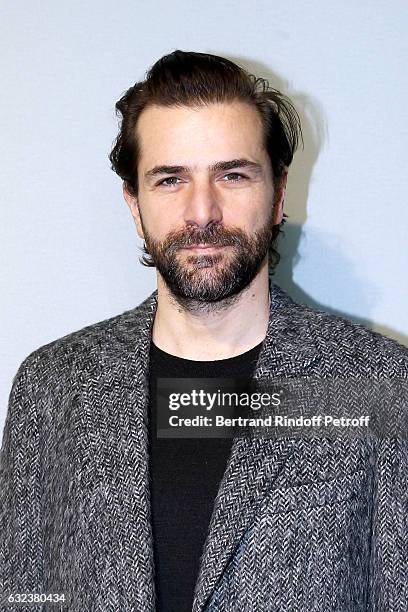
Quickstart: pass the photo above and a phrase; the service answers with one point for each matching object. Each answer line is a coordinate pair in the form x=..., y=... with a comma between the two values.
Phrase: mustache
x=210, y=236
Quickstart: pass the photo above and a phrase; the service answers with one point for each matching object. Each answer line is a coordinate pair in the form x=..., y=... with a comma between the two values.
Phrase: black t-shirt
x=185, y=477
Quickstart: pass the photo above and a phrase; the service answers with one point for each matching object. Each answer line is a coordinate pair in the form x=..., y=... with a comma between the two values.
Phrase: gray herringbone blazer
x=298, y=525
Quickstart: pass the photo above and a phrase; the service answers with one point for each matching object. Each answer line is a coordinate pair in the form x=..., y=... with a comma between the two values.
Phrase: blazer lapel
x=288, y=351
x=127, y=373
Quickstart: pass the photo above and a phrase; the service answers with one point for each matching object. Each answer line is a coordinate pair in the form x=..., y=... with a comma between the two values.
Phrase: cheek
x=159, y=226
x=250, y=215
x=258, y=205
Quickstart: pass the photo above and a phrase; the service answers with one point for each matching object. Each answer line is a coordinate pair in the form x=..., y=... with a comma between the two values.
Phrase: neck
x=215, y=333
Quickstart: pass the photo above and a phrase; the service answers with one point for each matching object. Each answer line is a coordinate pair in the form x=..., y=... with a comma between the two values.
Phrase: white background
x=69, y=246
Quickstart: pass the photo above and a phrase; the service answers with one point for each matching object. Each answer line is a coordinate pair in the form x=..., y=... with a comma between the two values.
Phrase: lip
x=206, y=247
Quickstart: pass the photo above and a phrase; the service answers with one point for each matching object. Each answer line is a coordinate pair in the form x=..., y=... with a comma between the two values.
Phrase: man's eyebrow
x=218, y=166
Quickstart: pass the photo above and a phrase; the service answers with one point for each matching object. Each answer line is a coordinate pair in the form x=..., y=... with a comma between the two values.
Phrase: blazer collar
x=288, y=343
x=288, y=350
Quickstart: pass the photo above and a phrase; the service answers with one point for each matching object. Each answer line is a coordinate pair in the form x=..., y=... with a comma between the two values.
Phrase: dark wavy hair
x=187, y=78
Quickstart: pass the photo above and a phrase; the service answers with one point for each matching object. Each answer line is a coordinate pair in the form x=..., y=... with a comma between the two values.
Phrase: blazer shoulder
x=348, y=342
x=79, y=347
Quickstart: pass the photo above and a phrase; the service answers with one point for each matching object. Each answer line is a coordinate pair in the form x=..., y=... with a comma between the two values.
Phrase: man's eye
x=235, y=174
x=163, y=182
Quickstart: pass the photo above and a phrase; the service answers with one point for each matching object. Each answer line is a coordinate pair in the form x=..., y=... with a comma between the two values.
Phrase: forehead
x=199, y=134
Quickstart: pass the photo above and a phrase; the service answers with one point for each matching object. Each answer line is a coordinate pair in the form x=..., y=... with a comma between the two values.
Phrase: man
x=93, y=504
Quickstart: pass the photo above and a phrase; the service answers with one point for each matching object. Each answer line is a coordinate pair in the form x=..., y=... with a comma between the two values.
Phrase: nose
x=202, y=207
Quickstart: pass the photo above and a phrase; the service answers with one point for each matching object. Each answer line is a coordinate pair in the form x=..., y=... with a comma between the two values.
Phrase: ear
x=279, y=198
x=133, y=204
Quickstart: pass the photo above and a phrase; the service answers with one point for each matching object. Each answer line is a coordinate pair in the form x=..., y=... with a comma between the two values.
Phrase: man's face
x=205, y=179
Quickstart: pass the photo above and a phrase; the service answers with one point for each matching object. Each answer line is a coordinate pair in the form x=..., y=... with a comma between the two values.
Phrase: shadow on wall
x=364, y=294
x=315, y=134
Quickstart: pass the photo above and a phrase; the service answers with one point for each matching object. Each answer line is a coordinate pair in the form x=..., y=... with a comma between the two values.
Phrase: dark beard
x=208, y=282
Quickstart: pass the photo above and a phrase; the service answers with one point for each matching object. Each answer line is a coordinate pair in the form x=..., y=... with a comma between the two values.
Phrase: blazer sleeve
x=21, y=559
x=388, y=577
